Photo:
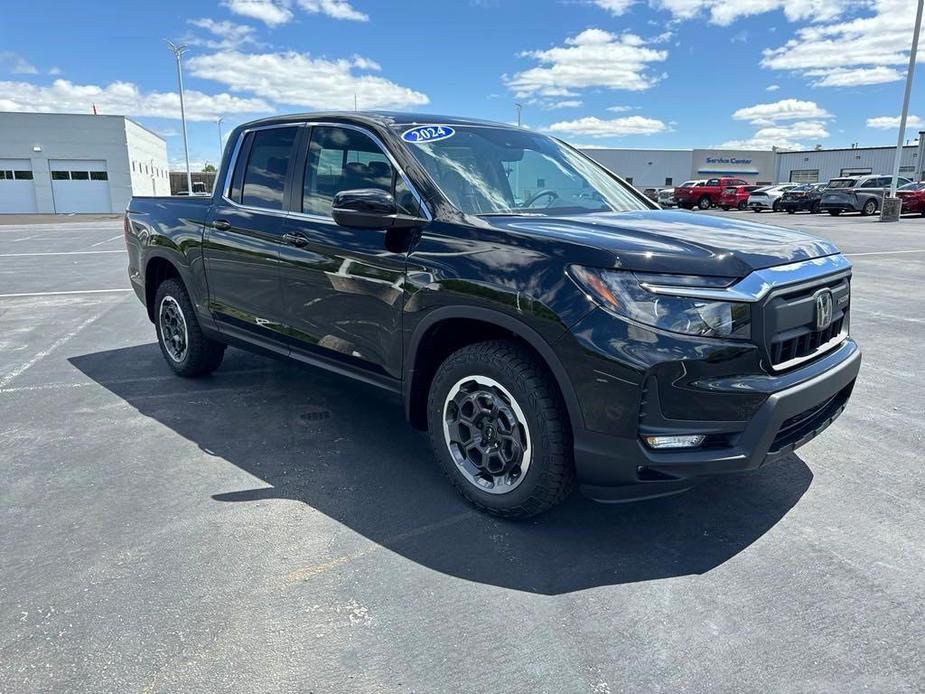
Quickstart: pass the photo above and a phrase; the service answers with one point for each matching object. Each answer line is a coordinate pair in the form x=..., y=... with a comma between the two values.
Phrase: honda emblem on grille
x=823, y=309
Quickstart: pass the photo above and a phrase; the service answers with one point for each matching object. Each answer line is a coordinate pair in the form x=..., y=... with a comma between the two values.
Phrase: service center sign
x=727, y=160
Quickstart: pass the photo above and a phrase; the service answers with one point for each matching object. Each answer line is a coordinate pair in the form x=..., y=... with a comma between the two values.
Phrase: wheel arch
x=157, y=269
x=433, y=339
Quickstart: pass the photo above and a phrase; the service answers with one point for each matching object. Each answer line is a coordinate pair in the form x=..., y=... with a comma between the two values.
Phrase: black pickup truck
x=543, y=320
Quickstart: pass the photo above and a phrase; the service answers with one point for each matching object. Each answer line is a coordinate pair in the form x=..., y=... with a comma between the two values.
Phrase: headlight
x=624, y=293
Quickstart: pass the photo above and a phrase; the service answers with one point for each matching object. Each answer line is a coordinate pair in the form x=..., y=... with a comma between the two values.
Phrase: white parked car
x=768, y=198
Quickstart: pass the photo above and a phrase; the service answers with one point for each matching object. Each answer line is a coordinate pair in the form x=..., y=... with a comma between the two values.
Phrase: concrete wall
x=647, y=167
x=147, y=156
x=41, y=137
x=830, y=163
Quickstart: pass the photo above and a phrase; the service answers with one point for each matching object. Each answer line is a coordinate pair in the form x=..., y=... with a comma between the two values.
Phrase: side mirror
x=370, y=208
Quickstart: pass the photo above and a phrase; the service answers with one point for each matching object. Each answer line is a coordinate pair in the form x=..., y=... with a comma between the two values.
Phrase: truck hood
x=677, y=242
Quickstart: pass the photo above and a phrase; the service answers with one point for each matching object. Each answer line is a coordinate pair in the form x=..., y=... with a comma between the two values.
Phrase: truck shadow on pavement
x=344, y=449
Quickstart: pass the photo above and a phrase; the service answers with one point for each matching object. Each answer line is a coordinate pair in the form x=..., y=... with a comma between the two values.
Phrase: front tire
x=185, y=348
x=500, y=431
x=704, y=203
x=834, y=213
x=775, y=207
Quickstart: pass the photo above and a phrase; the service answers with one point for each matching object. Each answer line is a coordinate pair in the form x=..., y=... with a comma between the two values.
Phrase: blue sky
x=621, y=73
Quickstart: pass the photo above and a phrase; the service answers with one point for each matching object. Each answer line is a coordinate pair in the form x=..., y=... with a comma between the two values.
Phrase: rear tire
x=834, y=213
x=775, y=206
x=869, y=208
x=814, y=209
x=725, y=208
x=185, y=348
x=524, y=451
x=742, y=206
x=790, y=210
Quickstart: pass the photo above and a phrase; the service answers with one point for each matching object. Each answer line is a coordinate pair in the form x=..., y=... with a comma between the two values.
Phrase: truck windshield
x=486, y=170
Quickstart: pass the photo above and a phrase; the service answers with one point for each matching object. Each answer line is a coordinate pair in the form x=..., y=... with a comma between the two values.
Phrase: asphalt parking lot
x=276, y=529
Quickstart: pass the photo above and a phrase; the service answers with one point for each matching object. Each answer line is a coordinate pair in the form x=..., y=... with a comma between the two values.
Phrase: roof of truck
x=386, y=118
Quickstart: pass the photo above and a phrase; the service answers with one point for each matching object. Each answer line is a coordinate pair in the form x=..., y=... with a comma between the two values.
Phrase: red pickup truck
x=705, y=195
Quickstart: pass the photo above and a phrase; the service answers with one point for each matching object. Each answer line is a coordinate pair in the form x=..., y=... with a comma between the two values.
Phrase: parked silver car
x=857, y=194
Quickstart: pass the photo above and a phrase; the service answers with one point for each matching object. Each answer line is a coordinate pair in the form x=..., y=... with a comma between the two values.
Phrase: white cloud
x=620, y=109
x=230, y=35
x=772, y=88
x=856, y=77
x=725, y=12
x=785, y=109
x=855, y=52
x=892, y=122
x=337, y=9
x=615, y=7
x=592, y=126
x=121, y=98
x=54, y=70
x=298, y=79
x=16, y=64
x=593, y=58
x=790, y=136
x=565, y=103
x=276, y=12
x=270, y=12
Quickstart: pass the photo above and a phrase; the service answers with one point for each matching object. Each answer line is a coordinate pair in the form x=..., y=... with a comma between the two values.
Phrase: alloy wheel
x=486, y=433
x=174, y=334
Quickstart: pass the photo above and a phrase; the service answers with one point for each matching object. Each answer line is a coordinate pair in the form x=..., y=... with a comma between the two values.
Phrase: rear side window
x=267, y=165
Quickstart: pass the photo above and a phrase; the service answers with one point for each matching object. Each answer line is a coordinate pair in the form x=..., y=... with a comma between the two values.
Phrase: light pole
x=179, y=50
x=221, y=140
x=893, y=215
x=520, y=108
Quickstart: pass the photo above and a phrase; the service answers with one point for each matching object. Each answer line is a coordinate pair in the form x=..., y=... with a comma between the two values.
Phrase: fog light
x=686, y=441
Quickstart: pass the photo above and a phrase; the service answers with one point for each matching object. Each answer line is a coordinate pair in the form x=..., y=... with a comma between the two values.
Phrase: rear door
x=245, y=233
x=343, y=287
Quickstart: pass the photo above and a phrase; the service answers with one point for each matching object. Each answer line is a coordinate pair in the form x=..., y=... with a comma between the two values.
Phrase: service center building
x=660, y=168
x=61, y=163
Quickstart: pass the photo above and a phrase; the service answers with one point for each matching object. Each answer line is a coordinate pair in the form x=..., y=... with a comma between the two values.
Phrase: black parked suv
x=805, y=197
x=543, y=320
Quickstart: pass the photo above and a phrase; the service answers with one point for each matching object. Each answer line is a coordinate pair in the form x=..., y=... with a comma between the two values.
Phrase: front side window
x=265, y=173
x=497, y=170
x=346, y=159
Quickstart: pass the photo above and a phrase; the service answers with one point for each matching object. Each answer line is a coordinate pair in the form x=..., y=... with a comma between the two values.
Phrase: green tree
x=208, y=168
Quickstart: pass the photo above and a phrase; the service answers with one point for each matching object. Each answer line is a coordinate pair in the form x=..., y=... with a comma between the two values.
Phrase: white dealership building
x=59, y=163
x=665, y=168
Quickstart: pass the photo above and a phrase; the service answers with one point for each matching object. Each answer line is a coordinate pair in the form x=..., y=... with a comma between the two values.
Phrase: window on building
x=804, y=175
x=855, y=172
x=60, y=175
x=669, y=181
x=265, y=173
x=99, y=176
x=6, y=175
x=907, y=169
x=133, y=166
x=22, y=175
x=80, y=175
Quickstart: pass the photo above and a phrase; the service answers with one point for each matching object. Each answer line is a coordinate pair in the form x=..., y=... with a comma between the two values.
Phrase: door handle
x=221, y=225
x=297, y=240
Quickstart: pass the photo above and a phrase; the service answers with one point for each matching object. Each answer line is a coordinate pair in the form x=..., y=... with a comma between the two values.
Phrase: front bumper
x=750, y=417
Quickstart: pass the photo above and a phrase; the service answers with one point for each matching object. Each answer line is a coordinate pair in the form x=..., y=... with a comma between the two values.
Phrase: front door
x=343, y=287
x=245, y=233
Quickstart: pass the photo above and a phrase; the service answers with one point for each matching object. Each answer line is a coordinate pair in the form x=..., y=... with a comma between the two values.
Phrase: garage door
x=80, y=185
x=17, y=189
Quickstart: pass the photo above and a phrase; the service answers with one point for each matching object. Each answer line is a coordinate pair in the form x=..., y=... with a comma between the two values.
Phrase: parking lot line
x=26, y=255
x=41, y=354
x=76, y=291
x=100, y=243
